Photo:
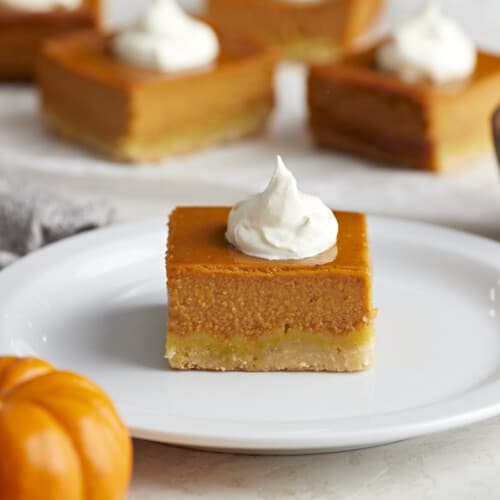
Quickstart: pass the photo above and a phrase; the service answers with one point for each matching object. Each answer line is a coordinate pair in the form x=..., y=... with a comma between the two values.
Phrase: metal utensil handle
x=496, y=132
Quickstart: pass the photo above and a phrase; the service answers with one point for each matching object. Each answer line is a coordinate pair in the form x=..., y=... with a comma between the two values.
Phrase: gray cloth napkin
x=33, y=215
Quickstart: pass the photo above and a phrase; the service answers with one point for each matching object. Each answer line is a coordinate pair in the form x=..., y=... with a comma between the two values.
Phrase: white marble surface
x=463, y=464
x=459, y=465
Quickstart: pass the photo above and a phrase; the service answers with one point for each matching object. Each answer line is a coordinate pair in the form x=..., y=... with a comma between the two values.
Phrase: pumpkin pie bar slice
x=356, y=108
x=22, y=33
x=413, y=99
x=231, y=311
x=310, y=31
x=138, y=114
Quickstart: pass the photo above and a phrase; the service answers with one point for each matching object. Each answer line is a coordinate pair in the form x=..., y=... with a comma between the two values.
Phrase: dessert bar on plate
x=231, y=310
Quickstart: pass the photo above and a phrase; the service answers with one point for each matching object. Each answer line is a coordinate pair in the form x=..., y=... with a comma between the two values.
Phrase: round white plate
x=96, y=304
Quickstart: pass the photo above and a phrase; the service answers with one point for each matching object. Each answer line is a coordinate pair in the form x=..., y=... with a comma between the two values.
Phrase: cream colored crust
x=142, y=150
x=453, y=156
x=291, y=350
x=312, y=50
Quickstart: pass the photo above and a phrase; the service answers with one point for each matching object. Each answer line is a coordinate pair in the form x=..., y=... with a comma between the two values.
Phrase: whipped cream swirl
x=281, y=222
x=41, y=5
x=167, y=39
x=429, y=46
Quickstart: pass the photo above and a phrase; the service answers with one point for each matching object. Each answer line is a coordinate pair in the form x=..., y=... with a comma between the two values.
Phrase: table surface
x=462, y=464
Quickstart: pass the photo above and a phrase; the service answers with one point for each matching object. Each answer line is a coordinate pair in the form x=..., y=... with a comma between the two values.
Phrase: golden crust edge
x=136, y=152
x=290, y=350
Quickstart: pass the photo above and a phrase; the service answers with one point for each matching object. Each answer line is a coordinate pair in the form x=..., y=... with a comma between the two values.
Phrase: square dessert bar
x=22, y=34
x=231, y=311
x=137, y=114
x=357, y=108
x=311, y=31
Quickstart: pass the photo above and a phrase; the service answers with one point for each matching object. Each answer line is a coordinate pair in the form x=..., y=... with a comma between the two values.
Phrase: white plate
x=96, y=304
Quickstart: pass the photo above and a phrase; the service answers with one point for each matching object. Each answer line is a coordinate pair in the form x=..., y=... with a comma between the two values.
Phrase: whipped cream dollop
x=429, y=46
x=281, y=222
x=41, y=5
x=167, y=39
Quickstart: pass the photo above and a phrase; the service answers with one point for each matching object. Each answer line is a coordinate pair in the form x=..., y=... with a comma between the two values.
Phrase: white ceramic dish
x=96, y=304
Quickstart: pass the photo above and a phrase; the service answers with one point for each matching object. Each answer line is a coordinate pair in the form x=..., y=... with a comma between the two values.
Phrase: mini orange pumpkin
x=60, y=436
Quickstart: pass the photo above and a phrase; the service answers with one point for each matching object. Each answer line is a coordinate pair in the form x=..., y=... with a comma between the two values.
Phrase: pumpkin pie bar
x=137, y=114
x=358, y=109
x=231, y=311
x=422, y=98
x=22, y=34
x=310, y=31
